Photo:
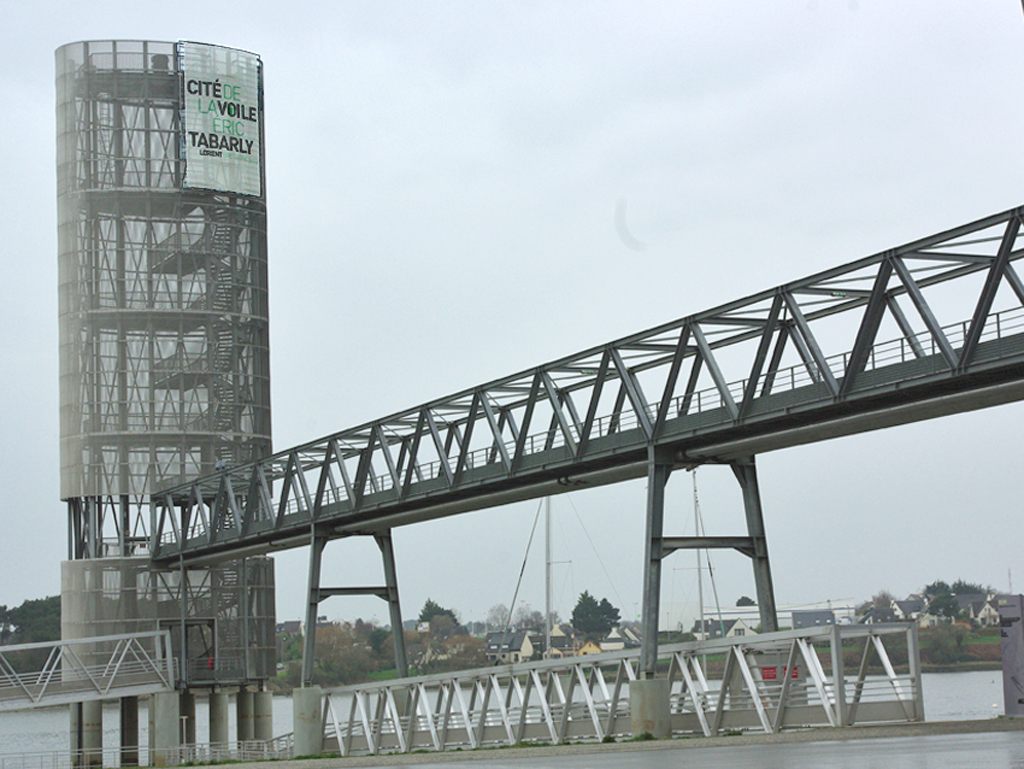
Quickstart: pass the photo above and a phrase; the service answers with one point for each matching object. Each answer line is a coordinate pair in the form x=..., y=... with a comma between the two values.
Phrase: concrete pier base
x=219, y=709
x=307, y=721
x=164, y=728
x=263, y=716
x=648, y=707
x=129, y=707
x=244, y=716
x=87, y=734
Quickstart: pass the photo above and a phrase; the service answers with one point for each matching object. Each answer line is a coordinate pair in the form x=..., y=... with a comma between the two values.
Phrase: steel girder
x=929, y=328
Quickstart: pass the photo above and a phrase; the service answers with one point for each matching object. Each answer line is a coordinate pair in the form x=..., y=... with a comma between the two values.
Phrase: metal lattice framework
x=163, y=300
x=100, y=668
x=767, y=683
x=930, y=328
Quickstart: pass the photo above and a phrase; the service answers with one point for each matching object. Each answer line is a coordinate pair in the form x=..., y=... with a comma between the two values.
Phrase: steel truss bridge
x=97, y=668
x=792, y=679
x=930, y=328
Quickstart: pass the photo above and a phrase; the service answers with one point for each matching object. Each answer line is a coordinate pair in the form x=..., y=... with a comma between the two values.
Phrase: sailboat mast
x=547, y=576
x=696, y=533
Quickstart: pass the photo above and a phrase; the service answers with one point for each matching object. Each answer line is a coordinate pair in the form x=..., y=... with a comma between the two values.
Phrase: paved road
x=961, y=744
x=939, y=752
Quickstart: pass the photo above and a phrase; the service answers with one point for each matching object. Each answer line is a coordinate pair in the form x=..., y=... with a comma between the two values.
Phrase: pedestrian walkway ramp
x=99, y=668
x=826, y=676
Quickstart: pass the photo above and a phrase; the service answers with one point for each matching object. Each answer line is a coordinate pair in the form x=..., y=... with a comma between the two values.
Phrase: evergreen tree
x=593, y=618
x=431, y=610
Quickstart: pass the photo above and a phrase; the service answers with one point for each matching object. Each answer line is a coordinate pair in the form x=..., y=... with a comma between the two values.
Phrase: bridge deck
x=799, y=363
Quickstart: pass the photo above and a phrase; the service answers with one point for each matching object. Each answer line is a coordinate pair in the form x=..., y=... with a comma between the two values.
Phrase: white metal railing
x=770, y=682
x=85, y=669
x=209, y=753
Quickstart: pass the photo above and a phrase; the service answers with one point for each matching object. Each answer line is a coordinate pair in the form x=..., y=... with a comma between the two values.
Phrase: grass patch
x=642, y=737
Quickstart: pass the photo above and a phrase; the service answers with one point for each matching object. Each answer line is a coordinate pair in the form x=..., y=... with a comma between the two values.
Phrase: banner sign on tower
x=221, y=115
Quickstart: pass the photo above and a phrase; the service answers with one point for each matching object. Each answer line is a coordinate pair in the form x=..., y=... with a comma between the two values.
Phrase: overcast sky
x=444, y=186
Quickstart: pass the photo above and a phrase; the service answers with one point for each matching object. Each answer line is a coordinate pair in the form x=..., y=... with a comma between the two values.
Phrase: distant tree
x=377, y=640
x=593, y=618
x=938, y=587
x=609, y=613
x=431, y=610
x=746, y=601
x=497, y=617
x=527, y=618
x=882, y=599
x=36, y=620
x=341, y=658
x=944, y=605
x=945, y=645
x=967, y=588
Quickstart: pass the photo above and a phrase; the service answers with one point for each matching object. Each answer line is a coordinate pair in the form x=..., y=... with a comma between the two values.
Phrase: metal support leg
x=746, y=473
x=659, y=467
x=316, y=552
x=391, y=582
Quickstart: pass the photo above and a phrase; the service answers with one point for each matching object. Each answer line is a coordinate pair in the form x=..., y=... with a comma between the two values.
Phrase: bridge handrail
x=586, y=698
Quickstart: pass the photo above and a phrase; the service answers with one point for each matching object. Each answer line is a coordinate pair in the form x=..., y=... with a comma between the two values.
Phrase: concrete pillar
x=244, y=716
x=187, y=713
x=649, y=707
x=263, y=716
x=219, y=703
x=164, y=728
x=307, y=721
x=129, y=731
x=86, y=732
x=92, y=733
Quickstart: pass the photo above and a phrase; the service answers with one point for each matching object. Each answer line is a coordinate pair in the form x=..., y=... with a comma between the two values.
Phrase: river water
x=947, y=696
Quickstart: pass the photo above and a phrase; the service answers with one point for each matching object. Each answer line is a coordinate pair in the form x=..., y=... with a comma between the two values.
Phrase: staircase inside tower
x=209, y=365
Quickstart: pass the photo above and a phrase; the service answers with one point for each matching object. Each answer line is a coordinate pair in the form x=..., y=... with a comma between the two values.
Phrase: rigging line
x=707, y=553
x=519, y=582
x=598, y=555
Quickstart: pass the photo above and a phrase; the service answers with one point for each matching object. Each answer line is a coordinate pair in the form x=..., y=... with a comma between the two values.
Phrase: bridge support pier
x=87, y=734
x=244, y=716
x=263, y=715
x=745, y=471
x=307, y=721
x=659, y=467
x=164, y=728
x=649, y=707
x=219, y=705
x=389, y=592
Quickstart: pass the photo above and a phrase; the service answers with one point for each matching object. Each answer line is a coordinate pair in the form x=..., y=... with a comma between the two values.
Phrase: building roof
x=717, y=628
x=813, y=618
x=503, y=642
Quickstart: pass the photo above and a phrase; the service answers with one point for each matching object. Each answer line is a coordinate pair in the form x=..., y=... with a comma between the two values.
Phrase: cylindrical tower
x=164, y=357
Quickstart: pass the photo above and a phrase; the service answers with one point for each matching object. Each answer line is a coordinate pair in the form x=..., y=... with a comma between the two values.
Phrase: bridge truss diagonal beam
x=929, y=328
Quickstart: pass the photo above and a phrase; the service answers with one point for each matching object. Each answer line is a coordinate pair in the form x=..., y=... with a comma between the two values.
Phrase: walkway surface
x=996, y=742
